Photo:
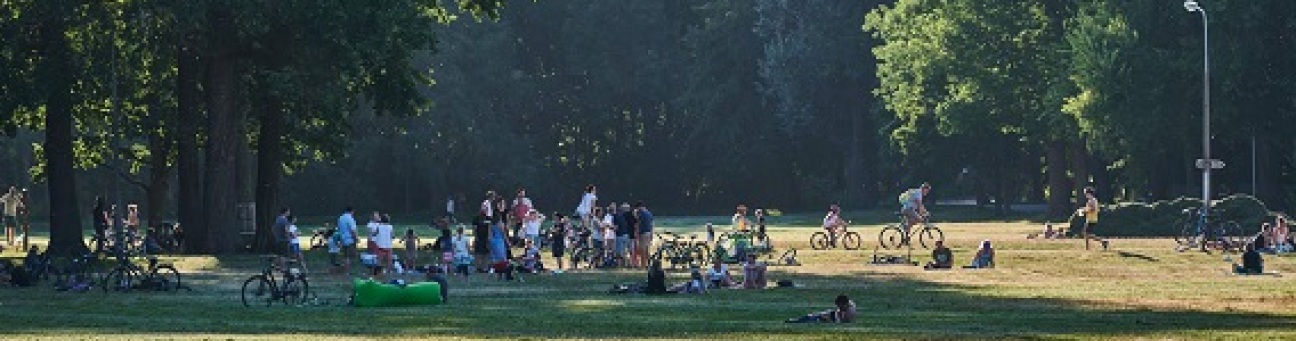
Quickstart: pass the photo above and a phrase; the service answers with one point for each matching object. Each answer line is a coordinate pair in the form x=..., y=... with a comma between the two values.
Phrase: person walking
x=1090, y=211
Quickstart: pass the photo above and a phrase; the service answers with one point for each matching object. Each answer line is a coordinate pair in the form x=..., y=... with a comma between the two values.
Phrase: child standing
x=411, y=248
x=462, y=259
x=558, y=242
x=334, y=247
x=294, y=242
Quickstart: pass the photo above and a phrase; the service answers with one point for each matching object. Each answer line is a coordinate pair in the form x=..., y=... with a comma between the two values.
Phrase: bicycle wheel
x=166, y=278
x=819, y=241
x=118, y=280
x=929, y=236
x=257, y=290
x=296, y=290
x=317, y=241
x=851, y=240
x=1230, y=233
x=891, y=237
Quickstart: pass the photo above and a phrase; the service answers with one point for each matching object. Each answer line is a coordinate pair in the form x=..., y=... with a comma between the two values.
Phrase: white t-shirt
x=488, y=208
x=587, y=203
x=292, y=234
x=915, y=197
x=716, y=275
x=831, y=220
x=532, y=227
x=383, y=236
x=460, y=245
x=373, y=229
x=609, y=234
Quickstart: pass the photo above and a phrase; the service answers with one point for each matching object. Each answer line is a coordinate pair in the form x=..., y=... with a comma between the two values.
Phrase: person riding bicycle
x=833, y=224
x=912, y=207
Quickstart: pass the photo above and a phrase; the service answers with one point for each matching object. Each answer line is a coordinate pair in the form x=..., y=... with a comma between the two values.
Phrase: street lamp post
x=1206, y=164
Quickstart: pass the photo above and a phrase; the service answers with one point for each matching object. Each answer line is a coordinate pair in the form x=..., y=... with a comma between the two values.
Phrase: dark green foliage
x=1166, y=218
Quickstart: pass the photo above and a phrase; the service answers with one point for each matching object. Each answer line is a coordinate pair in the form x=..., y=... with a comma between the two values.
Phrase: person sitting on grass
x=718, y=275
x=942, y=257
x=1282, y=235
x=984, y=257
x=1252, y=263
x=531, y=258
x=656, y=279
x=753, y=273
x=844, y=312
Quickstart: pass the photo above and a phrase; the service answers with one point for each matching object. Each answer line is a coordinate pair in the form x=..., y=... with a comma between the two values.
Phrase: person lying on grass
x=942, y=257
x=1252, y=263
x=984, y=256
x=844, y=312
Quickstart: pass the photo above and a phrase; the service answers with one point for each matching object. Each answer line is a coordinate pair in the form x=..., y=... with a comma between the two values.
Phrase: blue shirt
x=281, y=228
x=346, y=225
x=645, y=221
x=622, y=226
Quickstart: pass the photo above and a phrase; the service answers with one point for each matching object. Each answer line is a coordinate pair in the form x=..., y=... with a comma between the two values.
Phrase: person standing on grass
x=294, y=243
x=346, y=230
x=411, y=248
x=382, y=240
x=587, y=203
x=522, y=206
x=558, y=240
x=632, y=233
x=739, y=222
x=623, y=231
x=481, y=239
x=1090, y=212
x=99, y=218
x=12, y=200
x=280, y=232
x=531, y=226
x=645, y=235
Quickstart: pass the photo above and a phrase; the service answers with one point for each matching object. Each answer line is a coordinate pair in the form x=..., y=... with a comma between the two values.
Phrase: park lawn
x=1139, y=289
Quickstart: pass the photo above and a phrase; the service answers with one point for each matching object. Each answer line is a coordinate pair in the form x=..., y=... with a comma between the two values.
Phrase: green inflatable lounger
x=373, y=294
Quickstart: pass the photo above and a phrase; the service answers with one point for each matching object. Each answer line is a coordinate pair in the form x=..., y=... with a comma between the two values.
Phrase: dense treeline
x=691, y=106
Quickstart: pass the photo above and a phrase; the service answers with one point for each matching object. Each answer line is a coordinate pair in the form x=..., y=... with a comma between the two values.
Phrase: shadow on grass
x=1127, y=254
x=576, y=305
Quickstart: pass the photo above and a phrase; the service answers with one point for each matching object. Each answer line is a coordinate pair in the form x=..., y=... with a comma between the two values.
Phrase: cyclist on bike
x=833, y=223
x=912, y=207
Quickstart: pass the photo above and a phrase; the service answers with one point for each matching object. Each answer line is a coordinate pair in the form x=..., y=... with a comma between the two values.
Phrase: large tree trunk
x=1079, y=155
x=268, y=174
x=159, y=178
x=224, y=133
x=1059, y=189
x=65, y=227
x=189, y=172
x=854, y=178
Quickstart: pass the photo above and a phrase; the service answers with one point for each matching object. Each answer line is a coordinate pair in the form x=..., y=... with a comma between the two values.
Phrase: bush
x=1166, y=218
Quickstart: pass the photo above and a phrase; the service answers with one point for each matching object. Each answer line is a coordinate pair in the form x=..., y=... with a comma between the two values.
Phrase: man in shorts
x=13, y=200
x=280, y=231
x=623, y=231
x=346, y=230
x=645, y=238
x=1090, y=212
x=913, y=208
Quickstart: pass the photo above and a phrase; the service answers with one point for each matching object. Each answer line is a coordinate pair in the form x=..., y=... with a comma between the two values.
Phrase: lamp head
x=1192, y=6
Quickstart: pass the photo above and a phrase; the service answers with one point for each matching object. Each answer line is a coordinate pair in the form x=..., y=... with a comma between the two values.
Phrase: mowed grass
x=1139, y=289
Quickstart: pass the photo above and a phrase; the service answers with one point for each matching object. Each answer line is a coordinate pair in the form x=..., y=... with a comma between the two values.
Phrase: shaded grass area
x=1042, y=289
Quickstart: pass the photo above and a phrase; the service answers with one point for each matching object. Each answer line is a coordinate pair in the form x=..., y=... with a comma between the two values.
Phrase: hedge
x=1166, y=218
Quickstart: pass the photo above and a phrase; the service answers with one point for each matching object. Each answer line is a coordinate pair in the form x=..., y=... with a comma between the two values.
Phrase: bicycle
x=894, y=237
x=319, y=239
x=679, y=252
x=294, y=289
x=850, y=240
x=127, y=276
x=1202, y=229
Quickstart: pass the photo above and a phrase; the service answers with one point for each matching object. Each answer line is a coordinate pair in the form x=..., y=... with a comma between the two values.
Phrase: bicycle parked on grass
x=127, y=276
x=846, y=239
x=895, y=237
x=265, y=288
x=1200, y=230
x=680, y=253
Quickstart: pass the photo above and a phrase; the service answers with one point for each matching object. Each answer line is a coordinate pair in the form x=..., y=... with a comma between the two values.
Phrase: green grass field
x=1140, y=289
